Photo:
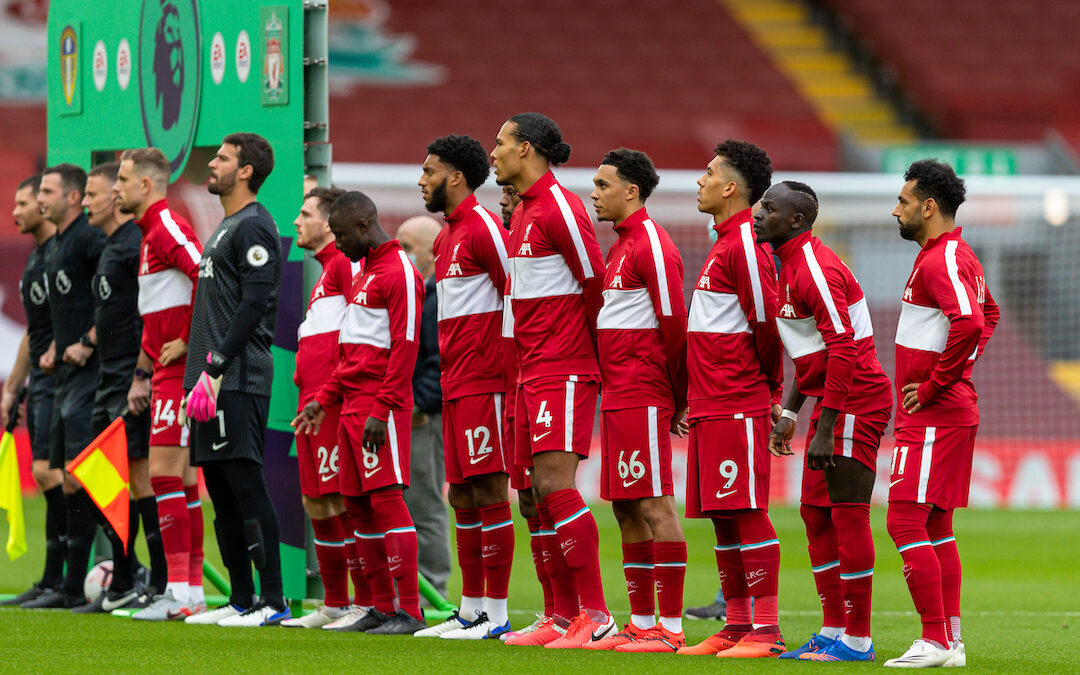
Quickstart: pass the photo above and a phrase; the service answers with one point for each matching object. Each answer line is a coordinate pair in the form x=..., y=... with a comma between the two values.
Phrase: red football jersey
x=825, y=326
x=317, y=346
x=641, y=329
x=733, y=352
x=946, y=318
x=470, y=271
x=555, y=283
x=168, y=274
x=380, y=336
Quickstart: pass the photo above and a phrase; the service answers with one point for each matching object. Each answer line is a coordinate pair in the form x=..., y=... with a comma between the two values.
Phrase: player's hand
x=374, y=434
x=309, y=420
x=171, y=351
x=201, y=403
x=9, y=406
x=780, y=437
x=820, y=452
x=47, y=362
x=776, y=412
x=138, y=398
x=911, y=403
x=77, y=354
x=679, y=426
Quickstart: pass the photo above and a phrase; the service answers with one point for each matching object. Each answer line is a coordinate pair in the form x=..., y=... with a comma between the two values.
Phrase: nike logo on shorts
x=477, y=460
x=537, y=438
x=626, y=485
x=721, y=495
x=217, y=446
x=895, y=482
x=328, y=477
x=372, y=472
x=160, y=430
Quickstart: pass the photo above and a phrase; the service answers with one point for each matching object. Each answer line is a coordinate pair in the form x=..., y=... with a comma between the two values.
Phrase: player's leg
x=669, y=556
x=146, y=505
x=729, y=566
x=468, y=526
x=399, y=531
x=824, y=550
x=167, y=467
x=370, y=540
x=527, y=508
x=424, y=498
x=196, y=533
x=939, y=528
x=330, y=552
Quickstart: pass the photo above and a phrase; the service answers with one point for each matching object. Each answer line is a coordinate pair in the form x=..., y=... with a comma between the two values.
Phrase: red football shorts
x=932, y=465
x=318, y=458
x=727, y=465
x=636, y=453
x=559, y=413
x=166, y=395
x=364, y=470
x=473, y=437
x=854, y=436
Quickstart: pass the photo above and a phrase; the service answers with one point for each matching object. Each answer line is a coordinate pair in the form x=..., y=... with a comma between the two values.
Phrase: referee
x=232, y=328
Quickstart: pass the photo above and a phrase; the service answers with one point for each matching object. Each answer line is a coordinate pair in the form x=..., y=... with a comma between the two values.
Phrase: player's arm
x=664, y=281
x=784, y=428
x=490, y=253
x=955, y=294
x=572, y=235
x=20, y=370
x=991, y=316
x=754, y=280
x=139, y=391
x=184, y=256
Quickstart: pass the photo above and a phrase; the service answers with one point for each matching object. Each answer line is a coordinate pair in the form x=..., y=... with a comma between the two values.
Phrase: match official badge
x=69, y=68
x=275, y=39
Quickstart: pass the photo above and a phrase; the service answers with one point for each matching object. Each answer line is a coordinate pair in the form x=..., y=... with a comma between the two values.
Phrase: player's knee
x=460, y=497
x=527, y=507
x=662, y=518
x=490, y=489
x=939, y=525
x=817, y=520
x=317, y=508
x=905, y=524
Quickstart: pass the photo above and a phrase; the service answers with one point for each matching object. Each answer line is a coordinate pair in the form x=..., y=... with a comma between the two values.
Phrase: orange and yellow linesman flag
x=11, y=496
x=102, y=468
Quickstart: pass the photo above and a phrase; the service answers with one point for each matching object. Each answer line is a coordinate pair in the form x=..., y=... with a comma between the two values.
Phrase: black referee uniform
x=71, y=304
x=233, y=322
x=119, y=334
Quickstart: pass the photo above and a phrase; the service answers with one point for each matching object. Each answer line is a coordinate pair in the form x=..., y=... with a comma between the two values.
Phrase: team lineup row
x=533, y=327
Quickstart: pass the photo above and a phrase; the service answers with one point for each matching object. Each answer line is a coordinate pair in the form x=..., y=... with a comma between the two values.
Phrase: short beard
x=222, y=185
x=437, y=203
x=908, y=232
x=124, y=208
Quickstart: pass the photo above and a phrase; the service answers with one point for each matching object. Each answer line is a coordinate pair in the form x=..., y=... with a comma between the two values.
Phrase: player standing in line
x=555, y=271
x=373, y=383
x=825, y=326
x=228, y=378
x=168, y=272
x=470, y=269
x=641, y=336
x=116, y=322
x=316, y=358
x=41, y=388
x=71, y=305
x=947, y=316
x=735, y=377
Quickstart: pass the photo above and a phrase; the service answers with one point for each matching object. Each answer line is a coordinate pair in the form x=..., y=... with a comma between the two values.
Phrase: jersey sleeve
x=332, y=391
x=490, y=252
x=182, y=252
x=952, y=290
x=825, y=295
x=664, y=281
x=754, y=281
x=405, y=305
x=991, y=316
x=571, y=234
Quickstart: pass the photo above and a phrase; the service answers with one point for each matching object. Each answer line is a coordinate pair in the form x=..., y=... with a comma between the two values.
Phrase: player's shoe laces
x=262, y=614
x=759, y=643
x=214, y=616
x=523, y=631
x=474, y=630
x=718, y=642
x=348, y=620
x=959, y=655
x=547, y=631
x=921, y=654
x=815, y=644
x=582, y=630
x=656, y=640
x=400, y=623
x=629, y=633
x=165, y=607
x=316, y=619
x=838, y=651
x=455, y=622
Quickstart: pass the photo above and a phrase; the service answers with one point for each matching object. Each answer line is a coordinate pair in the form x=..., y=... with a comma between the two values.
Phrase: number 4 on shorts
x=543, y=416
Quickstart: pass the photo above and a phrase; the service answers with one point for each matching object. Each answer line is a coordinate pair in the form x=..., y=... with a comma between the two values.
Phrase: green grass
x=1021, y=589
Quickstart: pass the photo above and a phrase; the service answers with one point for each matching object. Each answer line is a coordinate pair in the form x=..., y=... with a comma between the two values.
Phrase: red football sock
x=729, y=565
x=760, y=551
x=580, y=543
x=401, y=547
x=361, y=586
x=906, y=522
x=670, y=571
x=197, y=528
x=536, y=543
x=372, y=549
x=563, y=590
x=825, y=563
x=497, y=536
x=637, y=564
x=940, y=530
x=175, y=525
x=469, y=524
x=330, y=552
x=852, y=523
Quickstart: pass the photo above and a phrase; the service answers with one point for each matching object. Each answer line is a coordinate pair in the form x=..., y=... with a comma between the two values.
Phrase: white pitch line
x=524, y=612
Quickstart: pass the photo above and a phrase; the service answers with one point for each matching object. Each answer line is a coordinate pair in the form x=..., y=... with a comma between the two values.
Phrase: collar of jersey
x=792, y=246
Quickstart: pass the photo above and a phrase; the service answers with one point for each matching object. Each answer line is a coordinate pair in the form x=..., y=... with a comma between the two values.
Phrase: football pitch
x=1021, y=604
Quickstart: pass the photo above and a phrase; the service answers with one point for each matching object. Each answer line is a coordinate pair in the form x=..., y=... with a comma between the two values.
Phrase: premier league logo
x=169, y=77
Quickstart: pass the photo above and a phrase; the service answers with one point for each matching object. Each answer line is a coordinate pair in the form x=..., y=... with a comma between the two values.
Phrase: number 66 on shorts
x=636, y=453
